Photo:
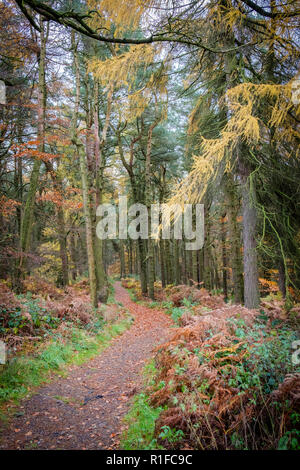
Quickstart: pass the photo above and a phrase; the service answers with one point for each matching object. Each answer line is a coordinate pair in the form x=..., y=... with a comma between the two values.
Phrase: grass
x=23, y=373
x=141, y=419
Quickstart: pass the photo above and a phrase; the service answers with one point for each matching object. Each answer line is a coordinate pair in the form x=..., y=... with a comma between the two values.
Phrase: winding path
x=84, y=410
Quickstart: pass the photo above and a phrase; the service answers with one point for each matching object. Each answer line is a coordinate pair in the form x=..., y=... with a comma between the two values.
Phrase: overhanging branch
x=269, y=14
x=76, y=21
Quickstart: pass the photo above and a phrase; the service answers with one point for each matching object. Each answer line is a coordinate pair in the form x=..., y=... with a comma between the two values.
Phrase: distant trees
x=27, y=218
x=194, y=107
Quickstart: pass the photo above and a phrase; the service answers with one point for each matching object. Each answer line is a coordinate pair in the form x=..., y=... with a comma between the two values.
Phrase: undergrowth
x=50, y=341
x=225, y=380
x=229, y=386
x=22, y=373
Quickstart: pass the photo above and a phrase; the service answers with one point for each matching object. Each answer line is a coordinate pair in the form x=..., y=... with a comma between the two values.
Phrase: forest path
x=84, y=410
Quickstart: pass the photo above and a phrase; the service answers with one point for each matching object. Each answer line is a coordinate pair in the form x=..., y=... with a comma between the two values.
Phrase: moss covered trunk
x=84, y=183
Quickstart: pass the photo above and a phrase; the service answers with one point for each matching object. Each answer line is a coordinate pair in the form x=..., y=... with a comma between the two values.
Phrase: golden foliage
x=243, y=102
x=224, y=17
x=120, y=14
x=121, y=68
x=121, y=71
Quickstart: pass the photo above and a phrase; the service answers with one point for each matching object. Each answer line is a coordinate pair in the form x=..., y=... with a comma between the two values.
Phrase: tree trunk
x=62, y=237
x=184, y=268
x=142, y=251
x=162, y=263
x=85, y=185
x=136, y=258
x=151, y=267
x=122, y=260
x=176, y=263
x=224, y=258
x=168, y=264
x=98, y=243
x=73, y=256
x=63, y=246
x=195, y=267
x=27, y=219
x=235, y=239
x=207, y=255
x=281, y=279
x=130, y=256
x=251, y=291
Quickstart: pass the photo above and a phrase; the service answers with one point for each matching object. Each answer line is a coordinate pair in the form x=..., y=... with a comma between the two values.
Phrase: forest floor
x=85, y=409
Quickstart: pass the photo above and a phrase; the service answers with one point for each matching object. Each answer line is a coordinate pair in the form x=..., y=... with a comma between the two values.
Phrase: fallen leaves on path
x=65, y=414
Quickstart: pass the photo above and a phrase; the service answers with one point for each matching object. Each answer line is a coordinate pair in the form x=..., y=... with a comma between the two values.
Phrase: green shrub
x=176, y=314
x=173, y=436
x=268, y=357
x=14, y=321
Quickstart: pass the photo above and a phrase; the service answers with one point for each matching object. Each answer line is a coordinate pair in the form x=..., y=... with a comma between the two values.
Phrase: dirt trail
x=104, y=385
